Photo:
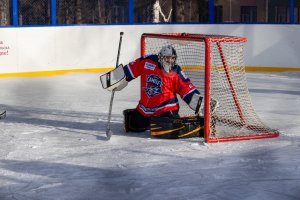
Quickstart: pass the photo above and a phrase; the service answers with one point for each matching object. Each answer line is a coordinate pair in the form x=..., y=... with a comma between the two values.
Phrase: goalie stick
x=108, y=132
x=3, y=114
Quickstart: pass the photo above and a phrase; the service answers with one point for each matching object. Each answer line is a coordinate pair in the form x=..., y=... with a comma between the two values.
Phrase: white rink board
x=29, y=49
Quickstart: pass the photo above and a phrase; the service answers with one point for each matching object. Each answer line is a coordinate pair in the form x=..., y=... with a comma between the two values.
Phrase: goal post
x=215, y=65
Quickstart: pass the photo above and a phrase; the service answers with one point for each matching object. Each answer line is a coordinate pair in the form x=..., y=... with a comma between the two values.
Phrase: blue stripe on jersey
x=188, y=97
x=153, y=57
x=128, y=73
x=170, y=102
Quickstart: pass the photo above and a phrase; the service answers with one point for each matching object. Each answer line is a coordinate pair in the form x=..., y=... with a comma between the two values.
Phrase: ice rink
x=53, y=146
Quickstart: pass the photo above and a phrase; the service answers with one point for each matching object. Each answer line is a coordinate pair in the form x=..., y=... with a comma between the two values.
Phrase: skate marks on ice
x=27, y=120
x=255, y=173
x=53, y=154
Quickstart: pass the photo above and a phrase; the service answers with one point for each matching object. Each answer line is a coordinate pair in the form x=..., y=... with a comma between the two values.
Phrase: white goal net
x=215, y=64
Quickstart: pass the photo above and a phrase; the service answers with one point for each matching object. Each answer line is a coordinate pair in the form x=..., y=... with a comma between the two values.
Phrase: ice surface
x=53, y=146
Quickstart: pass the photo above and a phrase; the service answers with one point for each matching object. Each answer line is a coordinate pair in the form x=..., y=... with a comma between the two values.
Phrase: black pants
x=168, y=125
x=136, y=122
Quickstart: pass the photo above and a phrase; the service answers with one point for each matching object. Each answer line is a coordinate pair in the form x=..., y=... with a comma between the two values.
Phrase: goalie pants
x=167, y=125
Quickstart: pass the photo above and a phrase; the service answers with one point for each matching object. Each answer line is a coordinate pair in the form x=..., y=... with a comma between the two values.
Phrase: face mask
x=168, y=63
x=167, y=66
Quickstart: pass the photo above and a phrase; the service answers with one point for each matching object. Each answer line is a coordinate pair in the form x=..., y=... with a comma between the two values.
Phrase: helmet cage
x=164, y=52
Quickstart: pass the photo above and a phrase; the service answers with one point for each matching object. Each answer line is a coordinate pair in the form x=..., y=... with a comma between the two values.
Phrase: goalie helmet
x=167, y=57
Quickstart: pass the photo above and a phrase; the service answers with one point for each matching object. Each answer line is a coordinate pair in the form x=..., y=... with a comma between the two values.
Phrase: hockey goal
x=215, y=64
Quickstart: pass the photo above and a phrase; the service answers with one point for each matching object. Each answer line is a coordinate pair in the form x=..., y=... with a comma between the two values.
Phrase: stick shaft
x=119, y=49
x=108, y=133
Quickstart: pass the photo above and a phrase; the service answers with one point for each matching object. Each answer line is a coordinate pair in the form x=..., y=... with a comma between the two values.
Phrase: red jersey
x=159, y=88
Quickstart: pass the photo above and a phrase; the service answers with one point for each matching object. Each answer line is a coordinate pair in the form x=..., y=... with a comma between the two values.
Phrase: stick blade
x=108, y=134
x=3, y=115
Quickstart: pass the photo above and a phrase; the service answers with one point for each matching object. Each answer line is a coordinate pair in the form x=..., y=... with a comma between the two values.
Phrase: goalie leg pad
x=174, y=128
x=134, y=121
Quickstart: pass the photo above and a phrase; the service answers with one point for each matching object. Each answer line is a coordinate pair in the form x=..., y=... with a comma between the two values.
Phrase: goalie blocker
x=164, y=126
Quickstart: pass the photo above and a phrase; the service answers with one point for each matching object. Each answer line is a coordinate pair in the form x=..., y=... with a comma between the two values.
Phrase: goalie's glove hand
x=197, y=104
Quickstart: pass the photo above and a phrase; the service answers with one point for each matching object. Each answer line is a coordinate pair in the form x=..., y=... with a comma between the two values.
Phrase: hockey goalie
x=158, y=109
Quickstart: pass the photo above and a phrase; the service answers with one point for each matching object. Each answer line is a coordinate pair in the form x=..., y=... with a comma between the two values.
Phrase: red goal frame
x=208, y=39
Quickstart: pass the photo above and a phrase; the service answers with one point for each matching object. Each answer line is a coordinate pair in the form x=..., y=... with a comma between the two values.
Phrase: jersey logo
x=149, y=66
x=153, y=85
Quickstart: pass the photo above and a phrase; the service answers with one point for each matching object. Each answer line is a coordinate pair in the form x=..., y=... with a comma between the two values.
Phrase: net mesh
x=235, y=115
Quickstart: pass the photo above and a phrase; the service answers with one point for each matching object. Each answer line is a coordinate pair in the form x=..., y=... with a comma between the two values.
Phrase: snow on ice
x=53, y=146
